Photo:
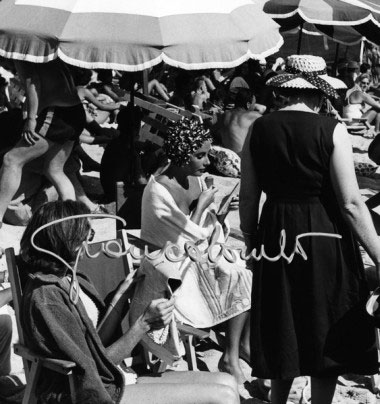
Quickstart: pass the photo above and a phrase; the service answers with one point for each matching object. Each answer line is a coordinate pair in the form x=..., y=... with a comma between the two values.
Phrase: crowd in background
x=228, y=100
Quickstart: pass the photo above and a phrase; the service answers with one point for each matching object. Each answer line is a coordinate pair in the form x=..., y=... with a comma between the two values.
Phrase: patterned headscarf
x=183, y=139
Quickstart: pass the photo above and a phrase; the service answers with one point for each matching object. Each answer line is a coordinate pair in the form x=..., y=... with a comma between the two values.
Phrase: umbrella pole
x=132, y=163
x=299, y=39
x=336, y=59
x=362, y=45
x=145, y=81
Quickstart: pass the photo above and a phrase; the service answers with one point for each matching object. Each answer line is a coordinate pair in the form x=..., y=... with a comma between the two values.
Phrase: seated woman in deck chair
x=178, y=207
x=59, y=314
x=359, y=104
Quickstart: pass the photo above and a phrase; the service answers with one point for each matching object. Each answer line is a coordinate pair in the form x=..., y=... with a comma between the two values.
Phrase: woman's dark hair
x=364, y=68
x=128, y=80
x=243, y=97
x=302, y=92
x=63, y=238
x=80, y=76
x=105, y=76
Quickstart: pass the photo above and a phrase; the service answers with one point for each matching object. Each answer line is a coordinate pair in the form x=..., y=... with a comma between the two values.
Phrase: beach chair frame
x=153, y=357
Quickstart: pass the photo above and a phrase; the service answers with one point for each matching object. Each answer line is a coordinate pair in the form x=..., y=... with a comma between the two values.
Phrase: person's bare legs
x=373, y=117
x=245, y=341
x=377, y=122
x=11, y=170
x=229, y=362
x=184, y=388
x=80, y=194
x=156, y=85
x=55, y=160
x=280, y=390
x=322, y=390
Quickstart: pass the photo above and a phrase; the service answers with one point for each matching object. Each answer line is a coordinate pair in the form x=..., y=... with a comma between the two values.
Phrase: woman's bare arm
x=368, y=99
x=157, y=315
x=5, y=296
x=103, y=107
x=249, y=198
x=348, y=195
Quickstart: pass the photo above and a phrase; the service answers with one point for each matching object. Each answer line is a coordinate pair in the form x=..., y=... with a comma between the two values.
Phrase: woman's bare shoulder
x=167, y=183
x=357, y=96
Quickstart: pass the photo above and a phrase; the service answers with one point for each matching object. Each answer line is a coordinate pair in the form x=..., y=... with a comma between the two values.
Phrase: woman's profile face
x=199, y=161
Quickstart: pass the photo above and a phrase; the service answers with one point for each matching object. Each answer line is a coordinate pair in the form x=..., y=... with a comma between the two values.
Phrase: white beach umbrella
x=134, y=35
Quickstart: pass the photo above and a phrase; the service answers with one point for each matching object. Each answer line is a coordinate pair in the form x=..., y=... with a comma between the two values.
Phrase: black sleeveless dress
x=308, y=315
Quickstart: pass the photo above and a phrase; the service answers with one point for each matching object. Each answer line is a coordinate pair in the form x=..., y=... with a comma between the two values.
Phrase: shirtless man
x=54, y=120
x=237, y=122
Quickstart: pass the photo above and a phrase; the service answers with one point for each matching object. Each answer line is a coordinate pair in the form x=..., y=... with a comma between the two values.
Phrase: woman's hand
x=158, y=314
x=234, y=204
x=28, y=132
x=207, y=197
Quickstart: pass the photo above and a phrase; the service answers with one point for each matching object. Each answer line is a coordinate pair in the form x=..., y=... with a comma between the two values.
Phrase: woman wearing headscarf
x=178, y=207
x=309, y=288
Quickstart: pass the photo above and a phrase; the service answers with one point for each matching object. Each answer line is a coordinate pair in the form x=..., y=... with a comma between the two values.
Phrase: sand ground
x=351, y=389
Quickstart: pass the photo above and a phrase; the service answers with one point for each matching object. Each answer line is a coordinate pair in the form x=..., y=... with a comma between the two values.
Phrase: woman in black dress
x=308, y=309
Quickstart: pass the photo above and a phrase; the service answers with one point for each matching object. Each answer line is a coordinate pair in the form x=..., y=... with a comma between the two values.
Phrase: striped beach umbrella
x=371, y=5
x=361, y=15
x=137, y=34
x=345, y=35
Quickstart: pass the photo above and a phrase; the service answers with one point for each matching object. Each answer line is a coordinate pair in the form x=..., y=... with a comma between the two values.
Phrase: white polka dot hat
x=307, y=71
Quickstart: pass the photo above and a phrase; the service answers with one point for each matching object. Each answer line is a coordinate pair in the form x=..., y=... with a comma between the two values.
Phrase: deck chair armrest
x=58, y=365
x=157, y=350
x=141, y=243
x=189, y=330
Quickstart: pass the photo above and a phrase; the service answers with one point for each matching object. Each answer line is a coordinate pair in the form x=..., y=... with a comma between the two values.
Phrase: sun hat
x=307, y=72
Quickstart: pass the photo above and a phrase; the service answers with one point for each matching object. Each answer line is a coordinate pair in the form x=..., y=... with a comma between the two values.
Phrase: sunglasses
x=365, y=82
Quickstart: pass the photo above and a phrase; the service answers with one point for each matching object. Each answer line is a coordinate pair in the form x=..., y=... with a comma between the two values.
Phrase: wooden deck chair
x=155, y=357
x=107, y=272
x=159, y=113
x=33, y=363
x=189, y=334
x=355, y=126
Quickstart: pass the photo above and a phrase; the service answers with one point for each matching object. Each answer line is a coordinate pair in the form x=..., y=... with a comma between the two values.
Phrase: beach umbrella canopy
x=372, y=5
x=370, y=27
x=345, y=35
x=325, y=14
x=343, y=42
x=134, y=35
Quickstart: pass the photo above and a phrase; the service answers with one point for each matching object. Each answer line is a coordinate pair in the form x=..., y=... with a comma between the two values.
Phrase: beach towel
x=209, y=293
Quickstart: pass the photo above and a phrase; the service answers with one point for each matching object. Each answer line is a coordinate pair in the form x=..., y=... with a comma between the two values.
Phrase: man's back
x=236, y=125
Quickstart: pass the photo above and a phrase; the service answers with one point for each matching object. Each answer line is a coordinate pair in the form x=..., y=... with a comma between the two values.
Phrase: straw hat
x=307, y=72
